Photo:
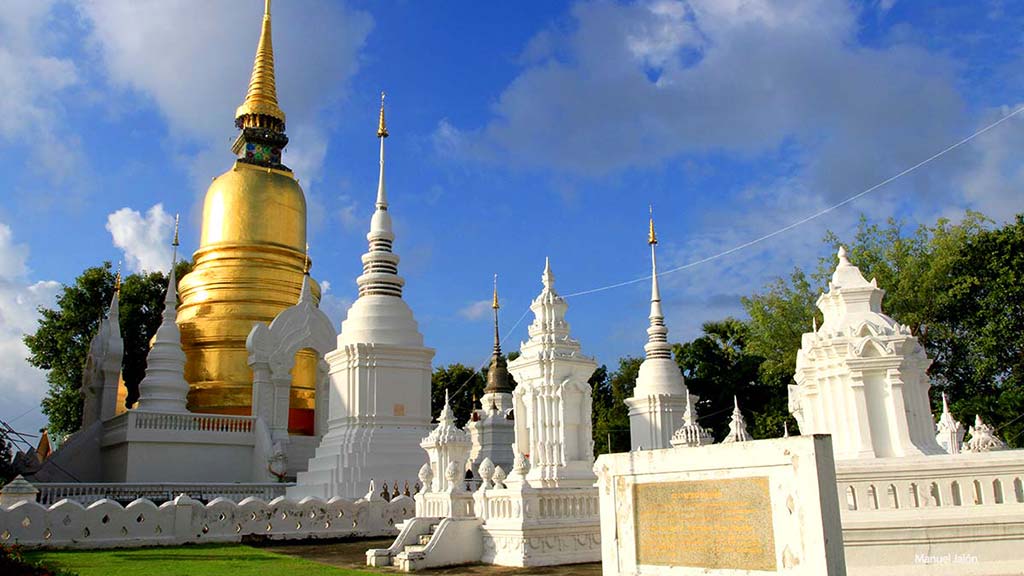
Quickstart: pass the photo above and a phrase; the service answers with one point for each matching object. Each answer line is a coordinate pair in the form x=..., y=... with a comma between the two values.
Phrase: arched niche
x=300, y=332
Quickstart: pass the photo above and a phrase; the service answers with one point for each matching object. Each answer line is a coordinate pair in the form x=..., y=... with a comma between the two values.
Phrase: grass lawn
x=206, y=560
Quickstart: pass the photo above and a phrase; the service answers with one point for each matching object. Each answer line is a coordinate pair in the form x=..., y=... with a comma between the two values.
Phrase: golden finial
x=652, y=238
x=494, y=303
x=382, y=128
x=176, y=220
x=261, y=98
x=117, y=279
x=305, y=265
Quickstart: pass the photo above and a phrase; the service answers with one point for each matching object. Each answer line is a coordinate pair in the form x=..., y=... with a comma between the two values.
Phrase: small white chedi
x=379, y=404
x=949, y=432
x=660, y=397
x=737, y=425
x=164, y=388
x=691, y=433
x=983, y=438
x=861, y=376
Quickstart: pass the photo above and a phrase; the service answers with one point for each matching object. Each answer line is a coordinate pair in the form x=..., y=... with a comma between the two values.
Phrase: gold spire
x=652, y=238
x=305, y=264
x=261, y=99
x=117, y=279
x=382, y=127
x=494, y=303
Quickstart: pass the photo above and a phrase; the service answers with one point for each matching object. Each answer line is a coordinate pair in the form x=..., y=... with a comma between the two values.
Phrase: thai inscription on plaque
x=717, y=524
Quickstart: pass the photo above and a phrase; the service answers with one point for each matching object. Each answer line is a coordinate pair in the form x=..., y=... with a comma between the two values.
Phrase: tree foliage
x=61, y=342
x=610, y=416
x=7, y=472
x=463, y=385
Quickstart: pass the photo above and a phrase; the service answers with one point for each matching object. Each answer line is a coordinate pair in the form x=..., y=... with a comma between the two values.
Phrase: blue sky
x=519, y=131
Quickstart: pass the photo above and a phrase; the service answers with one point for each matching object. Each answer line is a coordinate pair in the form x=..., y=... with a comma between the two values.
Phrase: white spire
x=657, y=333
x=164, y=388
x=380, y=263
x=382, y=133
x=738, y=426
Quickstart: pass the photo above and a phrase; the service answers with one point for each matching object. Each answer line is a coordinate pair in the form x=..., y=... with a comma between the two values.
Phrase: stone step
x=433, y=528
x=425, y=539
x=413, y=549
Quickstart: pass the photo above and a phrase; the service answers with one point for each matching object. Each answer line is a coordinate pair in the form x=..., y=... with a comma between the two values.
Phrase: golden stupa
x=250, y=262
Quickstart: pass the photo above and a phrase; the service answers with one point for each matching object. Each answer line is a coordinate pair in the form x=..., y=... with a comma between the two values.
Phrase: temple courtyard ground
x=335, y=558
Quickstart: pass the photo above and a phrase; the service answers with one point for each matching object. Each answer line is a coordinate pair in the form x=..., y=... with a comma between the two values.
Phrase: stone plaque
x=716, y=524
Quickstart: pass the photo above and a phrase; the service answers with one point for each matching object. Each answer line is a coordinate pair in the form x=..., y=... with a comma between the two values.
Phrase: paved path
x=352, y=554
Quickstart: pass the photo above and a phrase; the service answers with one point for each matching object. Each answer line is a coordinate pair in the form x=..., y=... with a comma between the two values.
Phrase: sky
x=519, y=131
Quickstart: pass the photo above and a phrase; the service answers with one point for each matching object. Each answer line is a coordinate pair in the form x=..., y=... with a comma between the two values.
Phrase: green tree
x=718, y=366
x=979, y=323
x=610, y=416
x=6, y=461
x=61, y=342
x=463, y=385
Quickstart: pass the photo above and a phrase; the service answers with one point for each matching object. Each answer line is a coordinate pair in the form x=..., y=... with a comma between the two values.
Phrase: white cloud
x=634, y=85
x=348, y=214
x=476, y=310
x=145, y=240
x=21, y=385
x=993, y=184
x=196, y=70
x=32, y=82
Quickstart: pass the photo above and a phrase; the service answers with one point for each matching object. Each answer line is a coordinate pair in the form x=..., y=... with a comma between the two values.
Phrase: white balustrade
x=87, y=493
x=988, y=479
x=190, y=422
x=106, y=523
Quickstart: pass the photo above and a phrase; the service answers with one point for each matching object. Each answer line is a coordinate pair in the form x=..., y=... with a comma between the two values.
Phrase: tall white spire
x=164, y=388
x=657, y=333
x=380, y=263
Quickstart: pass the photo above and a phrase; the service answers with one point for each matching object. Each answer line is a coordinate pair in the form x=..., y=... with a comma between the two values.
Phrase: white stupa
x=660, y=397
x=691, y=433
x=164, y=388
x=949, y=432
x=737, y=425
x=861, y=376
x=379, y=405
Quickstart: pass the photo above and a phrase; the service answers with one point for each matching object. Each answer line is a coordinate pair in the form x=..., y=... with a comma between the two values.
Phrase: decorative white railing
x=445, y=505
x=994, y=478
x=189, y=422
x=106, y=524
x=564, y=506
x=87, y=493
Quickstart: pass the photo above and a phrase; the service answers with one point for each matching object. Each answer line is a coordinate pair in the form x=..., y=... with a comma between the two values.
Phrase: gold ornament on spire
x=261, y=99
x=494, y=303
x=117, y=279
x=305, y=265
x=382, y=127
x=652, y=238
